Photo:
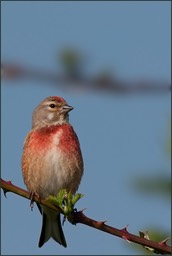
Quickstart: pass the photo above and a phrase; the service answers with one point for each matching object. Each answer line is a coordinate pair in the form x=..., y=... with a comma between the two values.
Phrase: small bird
x=51, y=160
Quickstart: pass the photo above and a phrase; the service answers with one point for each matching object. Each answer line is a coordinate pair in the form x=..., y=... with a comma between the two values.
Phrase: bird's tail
x=51, y=227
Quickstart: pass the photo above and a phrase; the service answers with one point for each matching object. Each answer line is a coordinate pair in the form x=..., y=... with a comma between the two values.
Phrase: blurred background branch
x=73, y=64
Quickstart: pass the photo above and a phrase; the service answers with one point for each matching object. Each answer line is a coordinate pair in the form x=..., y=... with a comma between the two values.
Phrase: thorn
x=125, y=229
x=100, y=223
x=164, y=242
x=83, y=209
x=9, y=182
x=5, y=192
x=126, y=238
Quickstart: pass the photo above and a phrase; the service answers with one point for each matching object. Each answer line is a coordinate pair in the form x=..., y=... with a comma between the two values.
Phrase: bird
x=51, y=160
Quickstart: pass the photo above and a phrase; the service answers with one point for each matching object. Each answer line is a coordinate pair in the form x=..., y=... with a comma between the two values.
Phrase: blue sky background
x=122, y=137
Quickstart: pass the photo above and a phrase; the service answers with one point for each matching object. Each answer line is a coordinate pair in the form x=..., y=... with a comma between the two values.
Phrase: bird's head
x=51, y=111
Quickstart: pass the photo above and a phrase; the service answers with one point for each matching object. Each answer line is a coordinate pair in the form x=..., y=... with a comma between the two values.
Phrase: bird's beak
x=66, y=109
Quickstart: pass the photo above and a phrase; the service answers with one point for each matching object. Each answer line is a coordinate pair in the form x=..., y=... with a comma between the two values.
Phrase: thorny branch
x=79, y=217
x=101, y=83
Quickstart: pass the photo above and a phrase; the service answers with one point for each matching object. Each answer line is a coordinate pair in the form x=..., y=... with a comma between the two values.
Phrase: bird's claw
x=75, y=210
x=31, y=200
x=64, y=219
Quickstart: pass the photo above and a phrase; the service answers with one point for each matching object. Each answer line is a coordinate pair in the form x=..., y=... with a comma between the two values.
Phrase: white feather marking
x=50, y=116
x=56, y=137
x=55, y=174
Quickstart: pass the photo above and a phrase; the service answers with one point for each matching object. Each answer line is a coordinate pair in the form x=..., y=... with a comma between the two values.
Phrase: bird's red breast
x=62, y=136
x=52, y=160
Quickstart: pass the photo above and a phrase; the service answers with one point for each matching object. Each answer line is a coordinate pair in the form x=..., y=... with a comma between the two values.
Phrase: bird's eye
x=52, y=105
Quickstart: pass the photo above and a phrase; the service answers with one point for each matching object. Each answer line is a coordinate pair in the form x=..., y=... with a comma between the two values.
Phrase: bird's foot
x=64, y=219
x=72, y=217
x=75, y=210
x=31, y=200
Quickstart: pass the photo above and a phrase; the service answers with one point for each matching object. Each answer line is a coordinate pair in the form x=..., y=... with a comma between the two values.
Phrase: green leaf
x=76, y=198
x=65, y=200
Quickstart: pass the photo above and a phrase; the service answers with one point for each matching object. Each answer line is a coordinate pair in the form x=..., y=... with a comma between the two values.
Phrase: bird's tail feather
x=51, y=227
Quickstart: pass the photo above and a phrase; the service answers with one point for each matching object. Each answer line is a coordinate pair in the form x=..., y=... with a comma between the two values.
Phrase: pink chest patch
x=68, y=140
x=61, y=136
